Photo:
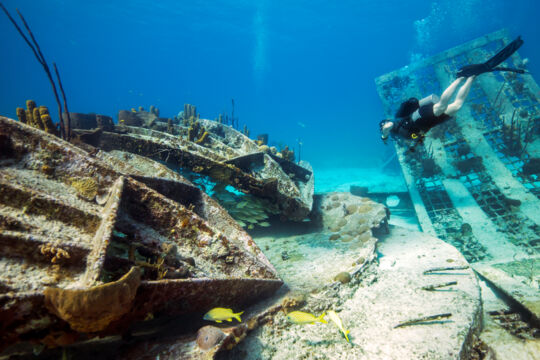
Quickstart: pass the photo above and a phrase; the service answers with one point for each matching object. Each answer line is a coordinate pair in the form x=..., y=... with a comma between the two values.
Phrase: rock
x=343, y=277
x=293, y=301
x=209, y=337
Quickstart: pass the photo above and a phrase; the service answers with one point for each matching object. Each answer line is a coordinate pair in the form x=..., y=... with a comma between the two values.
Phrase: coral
x=351, y=209
x=37, y=117
x=262, y=139
x=21, y=115
x=46, y=121
x=86, y=187
x=287, y=154
x=47, y=170
x=293, y=301
x=209, y=337
x=203, y=138
x=54, y=253
x=364, y=208
x=190, y=112
x=154, y=110
x=94, y=308
x=197, y=133
x=30, y=106
x=245, y=131
x=343, y=277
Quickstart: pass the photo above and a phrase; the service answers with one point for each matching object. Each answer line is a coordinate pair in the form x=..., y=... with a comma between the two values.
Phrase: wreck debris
x=424, y=320
x=485, y=155
x=78, y=240
x=93, y=309
x=216, y=152
x=447, y=268
x=438, y=286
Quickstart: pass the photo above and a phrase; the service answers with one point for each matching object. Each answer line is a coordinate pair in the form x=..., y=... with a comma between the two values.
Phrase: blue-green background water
x=299, y=70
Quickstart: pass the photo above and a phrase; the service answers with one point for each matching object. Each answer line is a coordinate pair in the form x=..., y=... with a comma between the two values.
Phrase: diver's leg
x=453, y=108
x=440, y=107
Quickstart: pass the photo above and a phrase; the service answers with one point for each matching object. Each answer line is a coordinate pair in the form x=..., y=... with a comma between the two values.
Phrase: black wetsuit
x=407, y=128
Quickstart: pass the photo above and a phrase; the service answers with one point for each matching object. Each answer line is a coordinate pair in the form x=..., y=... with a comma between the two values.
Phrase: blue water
x=302, y=71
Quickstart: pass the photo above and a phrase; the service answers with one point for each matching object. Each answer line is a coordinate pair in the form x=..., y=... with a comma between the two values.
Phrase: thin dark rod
x=40, y=58
x=48, y=72
x=32, y=36
x=21, y=33
x=68, y=128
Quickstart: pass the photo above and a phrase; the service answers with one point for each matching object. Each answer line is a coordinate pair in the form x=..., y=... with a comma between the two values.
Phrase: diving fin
x=505, y=53
x=491, y=64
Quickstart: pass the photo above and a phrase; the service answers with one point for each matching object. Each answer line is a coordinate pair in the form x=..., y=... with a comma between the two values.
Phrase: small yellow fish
x=220, y=314
x=336, y=320
x=300, y=317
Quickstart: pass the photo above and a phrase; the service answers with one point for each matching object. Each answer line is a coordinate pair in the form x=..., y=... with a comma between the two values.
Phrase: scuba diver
x=415, y=118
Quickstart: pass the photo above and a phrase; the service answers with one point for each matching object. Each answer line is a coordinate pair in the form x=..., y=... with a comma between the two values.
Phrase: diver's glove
x=474, y=69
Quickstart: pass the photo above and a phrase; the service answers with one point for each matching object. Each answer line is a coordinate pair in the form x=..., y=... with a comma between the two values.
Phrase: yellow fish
x=336, y=320
x=300, y=317
x=220, y=314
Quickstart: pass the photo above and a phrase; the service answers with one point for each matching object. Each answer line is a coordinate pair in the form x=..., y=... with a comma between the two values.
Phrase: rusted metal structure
x=90, y=243
x=216, y=151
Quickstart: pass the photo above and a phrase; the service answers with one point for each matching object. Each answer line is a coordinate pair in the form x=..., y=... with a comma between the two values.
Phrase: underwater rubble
x=346, y=232
x=398, y=285
x=315, y=276
x=218, y=152
x=115, y=253
x=92, y=244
